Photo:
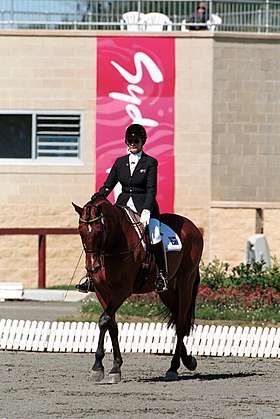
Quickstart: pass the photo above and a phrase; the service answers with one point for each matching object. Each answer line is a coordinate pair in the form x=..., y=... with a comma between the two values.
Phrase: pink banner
x=135, y=84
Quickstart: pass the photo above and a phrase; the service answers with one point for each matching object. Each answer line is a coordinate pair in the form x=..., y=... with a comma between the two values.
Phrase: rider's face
x=135, y=145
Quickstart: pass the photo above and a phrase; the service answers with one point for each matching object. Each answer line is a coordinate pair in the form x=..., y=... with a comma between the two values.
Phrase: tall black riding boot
x=161, y=263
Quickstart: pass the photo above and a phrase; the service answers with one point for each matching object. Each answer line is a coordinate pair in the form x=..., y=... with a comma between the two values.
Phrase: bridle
x=100, y=251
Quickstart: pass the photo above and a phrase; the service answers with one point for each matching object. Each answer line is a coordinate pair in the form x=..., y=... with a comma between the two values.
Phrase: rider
x=137, y=173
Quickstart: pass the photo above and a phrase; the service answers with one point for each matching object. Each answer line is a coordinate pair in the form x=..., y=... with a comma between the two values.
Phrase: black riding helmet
x=135, y=131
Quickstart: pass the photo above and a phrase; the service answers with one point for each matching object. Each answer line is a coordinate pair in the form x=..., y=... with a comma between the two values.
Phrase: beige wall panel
x=272, y=231
x=63, y=257
x=19, y=260
x=246, y=106
x=193, y=121
x=230, y=229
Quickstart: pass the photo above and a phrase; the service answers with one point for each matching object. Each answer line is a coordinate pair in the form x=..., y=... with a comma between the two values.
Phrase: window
x=15, y=136
x=40, y=136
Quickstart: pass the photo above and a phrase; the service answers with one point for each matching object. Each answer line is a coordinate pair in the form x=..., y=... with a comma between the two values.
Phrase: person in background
x=137, y=174
x=201, y=16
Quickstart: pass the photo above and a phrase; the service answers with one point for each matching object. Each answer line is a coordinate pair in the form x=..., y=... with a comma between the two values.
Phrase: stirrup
x=161, y=284
x=86, y=286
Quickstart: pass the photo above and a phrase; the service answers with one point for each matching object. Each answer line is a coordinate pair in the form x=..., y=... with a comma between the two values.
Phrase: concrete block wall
x=245, y=169
x=42, y=71
x=272, y=231
x=193, y=121
x=226, y=145
x=230, y=229
x=246, y=147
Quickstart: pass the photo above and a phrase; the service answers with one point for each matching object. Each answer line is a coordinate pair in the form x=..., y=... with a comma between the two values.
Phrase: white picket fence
x=39, y=336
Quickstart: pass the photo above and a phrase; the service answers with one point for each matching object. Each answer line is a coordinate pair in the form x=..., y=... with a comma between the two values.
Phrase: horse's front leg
x=115, y=373
x=98, y=369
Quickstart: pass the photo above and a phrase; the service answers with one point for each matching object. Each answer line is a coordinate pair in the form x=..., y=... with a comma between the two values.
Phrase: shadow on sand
x=202, y=377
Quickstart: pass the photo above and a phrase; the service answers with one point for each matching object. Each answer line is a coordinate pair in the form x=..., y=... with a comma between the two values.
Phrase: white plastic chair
x=213, y=22
x=184, y=26
x=132, y=21
x=156, y=22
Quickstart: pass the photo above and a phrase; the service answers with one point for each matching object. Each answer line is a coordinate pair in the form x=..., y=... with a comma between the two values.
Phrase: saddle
x=170, y=239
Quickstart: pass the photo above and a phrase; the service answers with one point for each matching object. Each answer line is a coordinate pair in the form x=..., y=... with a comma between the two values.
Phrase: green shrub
x=273, y=274
x=217, y=275
x=214, y=274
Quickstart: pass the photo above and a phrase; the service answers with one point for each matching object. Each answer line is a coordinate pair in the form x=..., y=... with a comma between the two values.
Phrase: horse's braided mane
x=91, y=204
x=88, y=209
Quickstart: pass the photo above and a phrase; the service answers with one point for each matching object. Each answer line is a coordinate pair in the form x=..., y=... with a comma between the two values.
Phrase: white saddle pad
x=171, y=240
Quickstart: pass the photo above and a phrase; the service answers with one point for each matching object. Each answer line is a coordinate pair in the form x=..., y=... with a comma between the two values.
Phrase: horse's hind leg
x=98, y=369
x=115, y=373
x=183, y=319
x=188, y=360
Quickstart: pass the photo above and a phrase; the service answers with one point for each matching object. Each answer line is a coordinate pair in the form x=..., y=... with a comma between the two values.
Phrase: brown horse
x=114, y=262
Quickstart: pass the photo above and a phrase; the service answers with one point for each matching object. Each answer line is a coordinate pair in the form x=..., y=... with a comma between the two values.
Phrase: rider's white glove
x=145, y=217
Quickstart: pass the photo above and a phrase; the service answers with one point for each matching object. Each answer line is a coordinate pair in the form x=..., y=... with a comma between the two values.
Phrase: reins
x=131, y=250
x=73, y=275
x=142, y=235
x=93, y=220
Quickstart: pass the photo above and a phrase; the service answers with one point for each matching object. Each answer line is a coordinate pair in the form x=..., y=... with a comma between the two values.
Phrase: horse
x=114, y=262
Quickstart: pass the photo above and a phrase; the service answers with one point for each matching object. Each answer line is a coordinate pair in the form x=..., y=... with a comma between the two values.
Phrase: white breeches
x=154, y=225
x=154, y=231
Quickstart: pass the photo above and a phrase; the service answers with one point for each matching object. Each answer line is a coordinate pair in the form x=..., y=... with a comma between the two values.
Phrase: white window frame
x=53, y=161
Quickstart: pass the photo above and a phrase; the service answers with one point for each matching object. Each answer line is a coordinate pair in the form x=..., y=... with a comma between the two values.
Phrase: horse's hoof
x=115, y=377
x=97, y=375
x=193, y=364
x=171, y=376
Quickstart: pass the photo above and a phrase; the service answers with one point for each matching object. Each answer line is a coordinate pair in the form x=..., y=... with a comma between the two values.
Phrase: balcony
x=237, y=16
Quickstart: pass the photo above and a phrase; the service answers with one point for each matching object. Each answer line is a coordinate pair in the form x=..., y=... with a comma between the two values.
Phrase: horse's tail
x=173, y=317
x=191, y=312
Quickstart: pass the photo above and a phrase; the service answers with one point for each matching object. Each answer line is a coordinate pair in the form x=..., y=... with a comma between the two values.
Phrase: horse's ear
x=78, y=209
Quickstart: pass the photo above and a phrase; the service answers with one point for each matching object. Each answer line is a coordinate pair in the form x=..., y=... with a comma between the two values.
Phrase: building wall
x=245, y=170
x=193, y=130
x=226, y=150
x=46, y=72
x=246, y=126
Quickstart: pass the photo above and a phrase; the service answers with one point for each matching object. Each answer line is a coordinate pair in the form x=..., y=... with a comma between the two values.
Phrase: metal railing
x=248, y=15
